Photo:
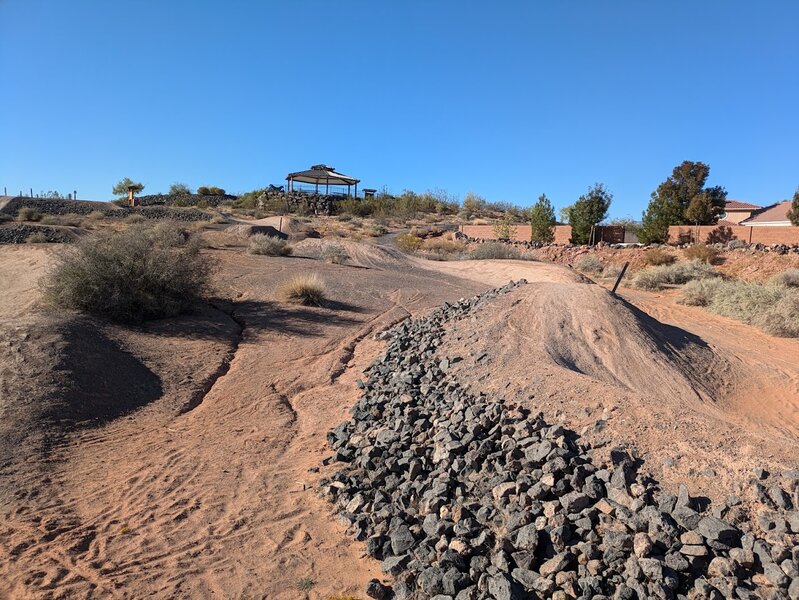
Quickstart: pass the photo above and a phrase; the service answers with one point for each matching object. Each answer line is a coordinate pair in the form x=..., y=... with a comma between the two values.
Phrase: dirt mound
x=370, y=256
x=579, y=354
x=245, y=230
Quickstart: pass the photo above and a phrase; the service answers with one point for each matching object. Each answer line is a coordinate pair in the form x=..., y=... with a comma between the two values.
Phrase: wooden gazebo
x=322, y=175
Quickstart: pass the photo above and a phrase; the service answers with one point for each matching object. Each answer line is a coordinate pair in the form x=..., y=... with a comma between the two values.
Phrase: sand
x=207, y=489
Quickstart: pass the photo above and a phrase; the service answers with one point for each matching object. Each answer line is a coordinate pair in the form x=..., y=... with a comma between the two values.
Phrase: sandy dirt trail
x=219, y=502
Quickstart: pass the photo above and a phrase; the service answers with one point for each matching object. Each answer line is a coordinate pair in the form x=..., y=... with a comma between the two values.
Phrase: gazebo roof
x=322, y=174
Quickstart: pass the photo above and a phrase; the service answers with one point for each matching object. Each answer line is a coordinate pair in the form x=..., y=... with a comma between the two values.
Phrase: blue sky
x=506, y=99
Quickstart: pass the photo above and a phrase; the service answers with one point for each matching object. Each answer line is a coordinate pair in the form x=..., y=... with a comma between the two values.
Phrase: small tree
x=793, y=214
x=542, y=220
x=474, y=203
x=121, y=188
x=503, y=228
x=670, y=202
x=590, y=208
x=179, y=189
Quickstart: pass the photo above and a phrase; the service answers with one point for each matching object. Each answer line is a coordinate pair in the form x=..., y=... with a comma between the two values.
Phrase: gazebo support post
x=356, y=191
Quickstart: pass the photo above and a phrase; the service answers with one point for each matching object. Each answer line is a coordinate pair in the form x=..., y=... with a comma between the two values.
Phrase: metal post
x=618, y=279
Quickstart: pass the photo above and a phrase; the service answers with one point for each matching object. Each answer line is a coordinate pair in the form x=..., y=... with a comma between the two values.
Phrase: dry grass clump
x=131, y=276
x=589, y=263
x=773, y=308
x=28, y=214
x=408, y=242
x=134, y=219
x=307, y=289
x=702, y=252
x=268, y=245
x=657, y=256
x=334, y=253
x=37, y=237
x=656, y=278
x=494, y=250
x=444, y=248
x=789, y=278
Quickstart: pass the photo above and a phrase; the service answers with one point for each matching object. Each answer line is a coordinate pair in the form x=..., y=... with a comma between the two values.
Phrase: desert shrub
x=612, y=270
x=203, y=191
x=135, y=218
x=745, y=300
x=334, y=253
x=37, y=237
x=656, y=278
x=588, y=263
x=133, y=275
x=268, y=245
x=96, y=214
x=772, y=308
x=28, y=214
x=657, y=256
x=789, y=278
x=407, y=242
x=179, y=189
x=782, y=319
x=219, y=219
x=442, y=244
x=494, y=250
x=4, y=218
x=736, y=244
x=344, y=218
x=702, y=252
x=50, y=220
x=307, y=289
x=375, y=230
x=700, y=292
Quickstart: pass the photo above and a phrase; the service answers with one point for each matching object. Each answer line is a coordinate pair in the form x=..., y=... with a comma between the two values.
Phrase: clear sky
x=506, y=99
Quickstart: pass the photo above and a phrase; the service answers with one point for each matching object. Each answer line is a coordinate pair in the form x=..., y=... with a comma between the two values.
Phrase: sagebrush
x=657, y=256
x=772, y=307
x=589, y=263
x=134, y=275
x=702, y=252
x=268, y=245
x=656, y=278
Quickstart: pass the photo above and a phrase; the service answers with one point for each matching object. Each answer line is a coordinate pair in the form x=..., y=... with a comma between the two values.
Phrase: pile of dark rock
x=462, y=496
x=167, y=213
x=213, y=200
x=19, y=234
x=48, y=206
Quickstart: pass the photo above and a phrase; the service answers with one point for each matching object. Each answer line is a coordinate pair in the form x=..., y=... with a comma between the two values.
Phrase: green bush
x=268, y=245
x=588, y=263
x=656, y=278
x=494, y=250
x=130, y=276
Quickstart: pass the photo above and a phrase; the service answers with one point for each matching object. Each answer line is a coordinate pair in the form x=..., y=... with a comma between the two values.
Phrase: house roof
x=322, y=174
x=724, y=223
x=738, y=205
x=776, y=213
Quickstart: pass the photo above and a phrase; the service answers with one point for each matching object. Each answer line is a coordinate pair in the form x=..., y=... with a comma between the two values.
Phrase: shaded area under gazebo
x=323, y=175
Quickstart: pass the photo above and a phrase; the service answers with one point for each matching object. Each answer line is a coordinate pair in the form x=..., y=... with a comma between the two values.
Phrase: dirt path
x=219, y=502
